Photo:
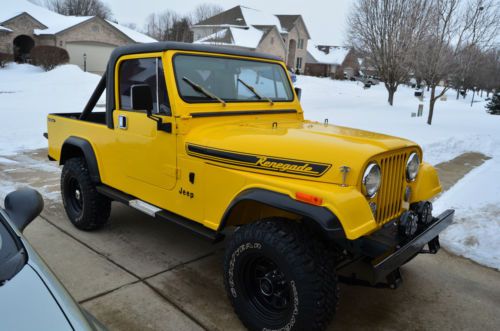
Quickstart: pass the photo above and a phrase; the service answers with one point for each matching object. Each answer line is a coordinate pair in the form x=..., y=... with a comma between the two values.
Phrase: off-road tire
x=91, y=211
x=303, y=260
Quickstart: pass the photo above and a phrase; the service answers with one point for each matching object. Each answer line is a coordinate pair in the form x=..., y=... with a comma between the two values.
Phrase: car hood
x=27, y=304
x=292, y=148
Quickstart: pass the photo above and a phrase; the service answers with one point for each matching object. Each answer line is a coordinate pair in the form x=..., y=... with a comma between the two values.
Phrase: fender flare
x=75, y=143
x=321, y=219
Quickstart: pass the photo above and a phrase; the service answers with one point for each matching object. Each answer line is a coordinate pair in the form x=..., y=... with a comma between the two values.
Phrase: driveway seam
x=139, y=279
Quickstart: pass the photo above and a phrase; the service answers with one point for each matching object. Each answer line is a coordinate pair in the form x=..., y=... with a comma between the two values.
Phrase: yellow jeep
x=214, y=139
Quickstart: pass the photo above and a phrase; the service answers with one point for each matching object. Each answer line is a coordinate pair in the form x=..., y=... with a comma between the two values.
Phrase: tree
x=80, y=8
x=169, y=25
x=493, y=107
x=457, y=32
x=387, y=31
x=204, y=11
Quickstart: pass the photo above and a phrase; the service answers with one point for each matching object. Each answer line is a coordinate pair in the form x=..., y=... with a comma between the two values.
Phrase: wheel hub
x=266, y=287
x=78, y=195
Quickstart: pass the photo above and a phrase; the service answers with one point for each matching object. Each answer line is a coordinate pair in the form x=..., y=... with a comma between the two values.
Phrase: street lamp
x=85, y=62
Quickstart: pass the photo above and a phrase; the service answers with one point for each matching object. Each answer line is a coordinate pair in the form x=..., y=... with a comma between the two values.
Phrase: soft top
x=161, y=47
x=172, y=45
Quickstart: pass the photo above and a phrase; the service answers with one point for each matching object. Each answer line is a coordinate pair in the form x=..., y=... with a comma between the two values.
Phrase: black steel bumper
x=384, y=268
x=429, y=236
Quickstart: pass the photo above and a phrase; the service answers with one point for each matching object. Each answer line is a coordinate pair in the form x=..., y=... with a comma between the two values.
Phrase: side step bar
x=156, y=212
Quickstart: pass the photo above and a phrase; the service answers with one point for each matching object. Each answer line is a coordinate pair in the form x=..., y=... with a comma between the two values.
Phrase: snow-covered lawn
x=27, y=95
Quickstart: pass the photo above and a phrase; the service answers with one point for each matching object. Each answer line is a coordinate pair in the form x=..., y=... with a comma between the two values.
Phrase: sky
x=325, y=19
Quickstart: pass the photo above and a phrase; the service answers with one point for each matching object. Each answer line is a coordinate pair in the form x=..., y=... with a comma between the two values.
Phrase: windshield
x=11, y=258
x=230, y=80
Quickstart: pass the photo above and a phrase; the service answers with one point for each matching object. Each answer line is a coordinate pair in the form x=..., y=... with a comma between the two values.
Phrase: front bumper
x=383, y=254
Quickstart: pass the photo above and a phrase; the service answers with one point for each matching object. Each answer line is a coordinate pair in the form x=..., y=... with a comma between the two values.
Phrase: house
x=89, y=40
x=285, y=36
x=331, y=61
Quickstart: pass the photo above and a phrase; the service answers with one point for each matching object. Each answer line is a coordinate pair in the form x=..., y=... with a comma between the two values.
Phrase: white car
x=31, y=297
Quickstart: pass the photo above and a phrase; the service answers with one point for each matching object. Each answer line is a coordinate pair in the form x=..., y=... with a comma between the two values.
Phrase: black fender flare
x=321, y=219
x=73, y=144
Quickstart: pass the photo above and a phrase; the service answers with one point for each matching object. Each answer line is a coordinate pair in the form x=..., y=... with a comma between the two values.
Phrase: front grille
x=390, y=196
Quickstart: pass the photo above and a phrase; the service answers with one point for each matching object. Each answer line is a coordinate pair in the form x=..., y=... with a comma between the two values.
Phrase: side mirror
x=142, y=98
x=23, y=206
x=298, y=91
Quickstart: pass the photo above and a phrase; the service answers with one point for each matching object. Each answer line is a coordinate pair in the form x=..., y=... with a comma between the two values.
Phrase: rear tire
x=86, y=208
x=278, y=275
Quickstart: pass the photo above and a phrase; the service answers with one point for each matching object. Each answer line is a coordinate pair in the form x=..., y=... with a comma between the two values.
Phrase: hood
x=292, y=148
x=26, y=303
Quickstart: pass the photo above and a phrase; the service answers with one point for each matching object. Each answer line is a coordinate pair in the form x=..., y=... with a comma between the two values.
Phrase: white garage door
x=97, y=55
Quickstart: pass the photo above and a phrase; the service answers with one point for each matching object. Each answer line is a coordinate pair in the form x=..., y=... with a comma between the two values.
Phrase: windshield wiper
x=202, y=90
x=254, y=91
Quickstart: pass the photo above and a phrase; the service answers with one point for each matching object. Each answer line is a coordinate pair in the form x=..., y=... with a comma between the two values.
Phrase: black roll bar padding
x=94, y=98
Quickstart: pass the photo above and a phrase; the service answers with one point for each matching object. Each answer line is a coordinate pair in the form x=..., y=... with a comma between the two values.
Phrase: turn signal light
x=308, y=198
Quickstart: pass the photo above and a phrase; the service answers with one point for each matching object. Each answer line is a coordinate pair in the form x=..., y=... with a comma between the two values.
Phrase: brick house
x=285, y=36
x=331, y=61
x=89, y=40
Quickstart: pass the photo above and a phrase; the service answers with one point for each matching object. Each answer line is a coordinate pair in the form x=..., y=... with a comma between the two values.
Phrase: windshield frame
x=209, y=101
x=12, y=266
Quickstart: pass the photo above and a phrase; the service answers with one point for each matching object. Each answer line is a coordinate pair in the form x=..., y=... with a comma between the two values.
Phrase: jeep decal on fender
x=268, y=163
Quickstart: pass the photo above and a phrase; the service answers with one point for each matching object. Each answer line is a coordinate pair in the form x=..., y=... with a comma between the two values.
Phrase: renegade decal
x=269, y=163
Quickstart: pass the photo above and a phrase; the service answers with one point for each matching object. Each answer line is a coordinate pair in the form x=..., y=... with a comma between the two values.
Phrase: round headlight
x=371, y=180
x=412, y=166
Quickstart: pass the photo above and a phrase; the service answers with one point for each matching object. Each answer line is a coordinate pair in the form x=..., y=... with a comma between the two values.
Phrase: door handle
x=122, y=122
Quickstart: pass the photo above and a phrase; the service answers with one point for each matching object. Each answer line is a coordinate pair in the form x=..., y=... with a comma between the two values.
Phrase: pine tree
x=493, y=107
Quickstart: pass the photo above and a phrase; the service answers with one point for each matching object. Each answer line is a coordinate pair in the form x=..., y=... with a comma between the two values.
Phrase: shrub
x=493, y=107
x=5, y=58
x=49, y=57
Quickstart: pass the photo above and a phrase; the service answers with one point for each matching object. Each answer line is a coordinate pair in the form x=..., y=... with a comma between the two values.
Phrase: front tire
x=277, y=277
x=86, y=208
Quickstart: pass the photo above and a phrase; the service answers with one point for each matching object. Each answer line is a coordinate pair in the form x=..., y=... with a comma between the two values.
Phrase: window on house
x=300, y=44
x=299, y=62
x=272, y=40
x=144, y=71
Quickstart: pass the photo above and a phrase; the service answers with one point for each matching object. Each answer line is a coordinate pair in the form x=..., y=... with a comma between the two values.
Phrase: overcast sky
x=325, y=19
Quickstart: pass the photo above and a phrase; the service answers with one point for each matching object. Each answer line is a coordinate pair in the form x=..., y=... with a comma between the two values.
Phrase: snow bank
x=28, y=94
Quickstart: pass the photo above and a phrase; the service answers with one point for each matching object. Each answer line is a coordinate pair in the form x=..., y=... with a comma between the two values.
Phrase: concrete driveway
x=139, y=273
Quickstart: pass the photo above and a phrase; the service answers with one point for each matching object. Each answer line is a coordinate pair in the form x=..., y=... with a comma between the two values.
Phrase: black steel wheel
x=277, y=276
x=85, y=207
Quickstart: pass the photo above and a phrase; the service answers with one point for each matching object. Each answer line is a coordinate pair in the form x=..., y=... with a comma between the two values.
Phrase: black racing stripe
x=243, y=112
x=303, y=168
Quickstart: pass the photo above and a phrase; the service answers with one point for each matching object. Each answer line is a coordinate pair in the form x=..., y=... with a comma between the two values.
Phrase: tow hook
x=433, y=245
x=394, y=279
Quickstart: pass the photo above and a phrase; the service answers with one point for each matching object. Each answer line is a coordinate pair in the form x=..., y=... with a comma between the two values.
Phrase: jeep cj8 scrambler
x=211, y=138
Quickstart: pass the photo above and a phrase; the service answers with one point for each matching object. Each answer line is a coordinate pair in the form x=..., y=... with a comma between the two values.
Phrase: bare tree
x=169, y=25
x=80, y=8
x=388, y=31
x=456, y=30
x=204, y=11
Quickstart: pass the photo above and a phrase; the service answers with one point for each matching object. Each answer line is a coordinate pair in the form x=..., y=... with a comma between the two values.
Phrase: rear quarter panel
x=99, y=136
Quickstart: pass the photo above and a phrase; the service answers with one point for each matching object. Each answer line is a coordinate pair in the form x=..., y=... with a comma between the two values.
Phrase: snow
x=257, y=17
x=56, y=22
x=132, y=34
x=28, y=94
x=335, y=56
x=242, y=37
x=249, y=38
x=2, y=28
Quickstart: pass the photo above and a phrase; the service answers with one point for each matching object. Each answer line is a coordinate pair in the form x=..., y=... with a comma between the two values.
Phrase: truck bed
x=95, y=117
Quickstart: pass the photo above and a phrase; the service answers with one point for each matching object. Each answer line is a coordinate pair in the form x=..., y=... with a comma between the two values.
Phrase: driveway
x=139, y=273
